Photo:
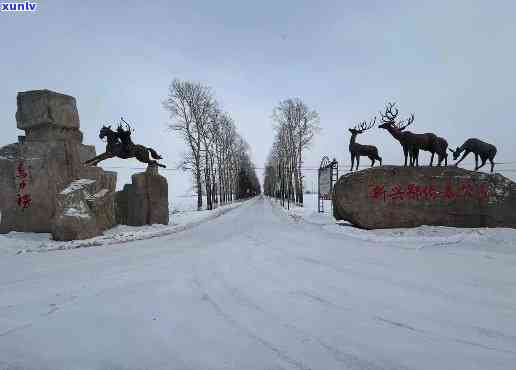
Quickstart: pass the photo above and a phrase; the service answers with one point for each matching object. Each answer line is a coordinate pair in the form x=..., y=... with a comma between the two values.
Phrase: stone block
x=145, y=201
x=45, y=107
x=83, y=211
x=74, y=218
x=52, y=157
x=394, y=197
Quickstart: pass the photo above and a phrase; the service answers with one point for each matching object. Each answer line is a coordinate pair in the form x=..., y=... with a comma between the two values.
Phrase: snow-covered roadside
x=20, y=242
x=254, y=289
x=502, y=240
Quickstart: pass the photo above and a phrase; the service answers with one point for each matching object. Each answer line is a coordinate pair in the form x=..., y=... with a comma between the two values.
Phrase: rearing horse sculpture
x=119, y=144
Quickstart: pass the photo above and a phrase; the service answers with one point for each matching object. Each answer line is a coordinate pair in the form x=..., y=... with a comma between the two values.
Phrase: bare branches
x=296, y=126
x=215, y=153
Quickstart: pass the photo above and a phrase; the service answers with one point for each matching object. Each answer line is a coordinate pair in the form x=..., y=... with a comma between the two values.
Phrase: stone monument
x=144, y=201
x=45, y=187
x=393, y=196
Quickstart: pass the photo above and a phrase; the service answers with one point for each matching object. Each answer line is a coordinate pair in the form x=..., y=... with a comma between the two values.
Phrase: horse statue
x=119, y=144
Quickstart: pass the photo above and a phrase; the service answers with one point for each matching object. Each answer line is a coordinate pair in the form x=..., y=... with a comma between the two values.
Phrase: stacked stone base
x=144, y=201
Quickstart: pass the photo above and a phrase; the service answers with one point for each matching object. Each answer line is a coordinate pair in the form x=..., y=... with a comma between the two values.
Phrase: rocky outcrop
x=74, y=218
x=145, y=201
x=392, y=196
x=83, y=211
x=34, y=171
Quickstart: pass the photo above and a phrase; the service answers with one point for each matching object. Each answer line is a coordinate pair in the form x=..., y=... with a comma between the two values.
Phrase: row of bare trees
x=295, y=126
x=216, y=155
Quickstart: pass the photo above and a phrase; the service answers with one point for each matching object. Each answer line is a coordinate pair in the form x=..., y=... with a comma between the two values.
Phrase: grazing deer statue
x=412, y=143
x=481, y=149
x=358, y=150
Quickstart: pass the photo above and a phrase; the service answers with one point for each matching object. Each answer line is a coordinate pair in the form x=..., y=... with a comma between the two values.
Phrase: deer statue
x=478, y=147
x=396, y=128
x=440, y=148
x=358, y=150
x=412, y=143
x=431, y=143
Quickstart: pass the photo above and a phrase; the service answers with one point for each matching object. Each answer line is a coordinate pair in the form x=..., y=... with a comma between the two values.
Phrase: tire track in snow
x=15, y=329
x=235, y=324
x=397, y=324
x=349, y=360
x=403, y=285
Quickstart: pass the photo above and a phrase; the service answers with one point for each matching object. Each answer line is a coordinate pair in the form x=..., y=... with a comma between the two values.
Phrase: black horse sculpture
x=119, y=144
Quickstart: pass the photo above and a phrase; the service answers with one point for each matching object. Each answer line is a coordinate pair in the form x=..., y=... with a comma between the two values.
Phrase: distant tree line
x=295, y=126
x=216, y=155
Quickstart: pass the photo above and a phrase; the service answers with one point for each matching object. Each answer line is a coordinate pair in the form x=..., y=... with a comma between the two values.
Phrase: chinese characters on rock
x=23, y=197
x=413, y=192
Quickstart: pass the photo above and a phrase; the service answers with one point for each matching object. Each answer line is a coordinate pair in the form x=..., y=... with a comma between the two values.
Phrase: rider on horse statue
x=119, y=144
x=125, y=139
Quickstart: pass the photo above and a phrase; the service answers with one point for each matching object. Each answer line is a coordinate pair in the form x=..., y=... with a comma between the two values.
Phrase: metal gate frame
x=334, y=176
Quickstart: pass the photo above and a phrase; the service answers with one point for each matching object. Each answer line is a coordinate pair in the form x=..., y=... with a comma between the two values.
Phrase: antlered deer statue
x=478, y=147
x=358, y=150
x=396, y=128
x=412, y=143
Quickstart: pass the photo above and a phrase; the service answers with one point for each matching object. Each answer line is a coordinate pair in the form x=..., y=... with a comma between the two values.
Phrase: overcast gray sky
x=450, y=62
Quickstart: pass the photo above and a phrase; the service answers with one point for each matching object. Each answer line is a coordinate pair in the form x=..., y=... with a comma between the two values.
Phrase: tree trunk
x=199, y=189
x=207, y=183
x=301, y=190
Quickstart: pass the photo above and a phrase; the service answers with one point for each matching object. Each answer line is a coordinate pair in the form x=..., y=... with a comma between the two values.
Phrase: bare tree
x=296, y=125
x=189, y=104
x=216, y=155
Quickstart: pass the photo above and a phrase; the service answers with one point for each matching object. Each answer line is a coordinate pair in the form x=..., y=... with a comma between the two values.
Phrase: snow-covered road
x=257, y=289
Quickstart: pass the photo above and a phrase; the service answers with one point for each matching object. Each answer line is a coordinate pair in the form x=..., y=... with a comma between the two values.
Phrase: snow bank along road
x=256, y=289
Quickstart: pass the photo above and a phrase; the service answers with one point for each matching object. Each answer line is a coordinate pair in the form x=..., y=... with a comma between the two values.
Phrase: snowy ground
x=262, y=288
x=183, y=216
x=497, y=239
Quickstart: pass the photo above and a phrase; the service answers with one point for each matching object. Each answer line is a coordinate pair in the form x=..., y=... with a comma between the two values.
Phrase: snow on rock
x=9, y=152
x=74, y=212
x=100, y=194
x=83, y=211
x=76, y=185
